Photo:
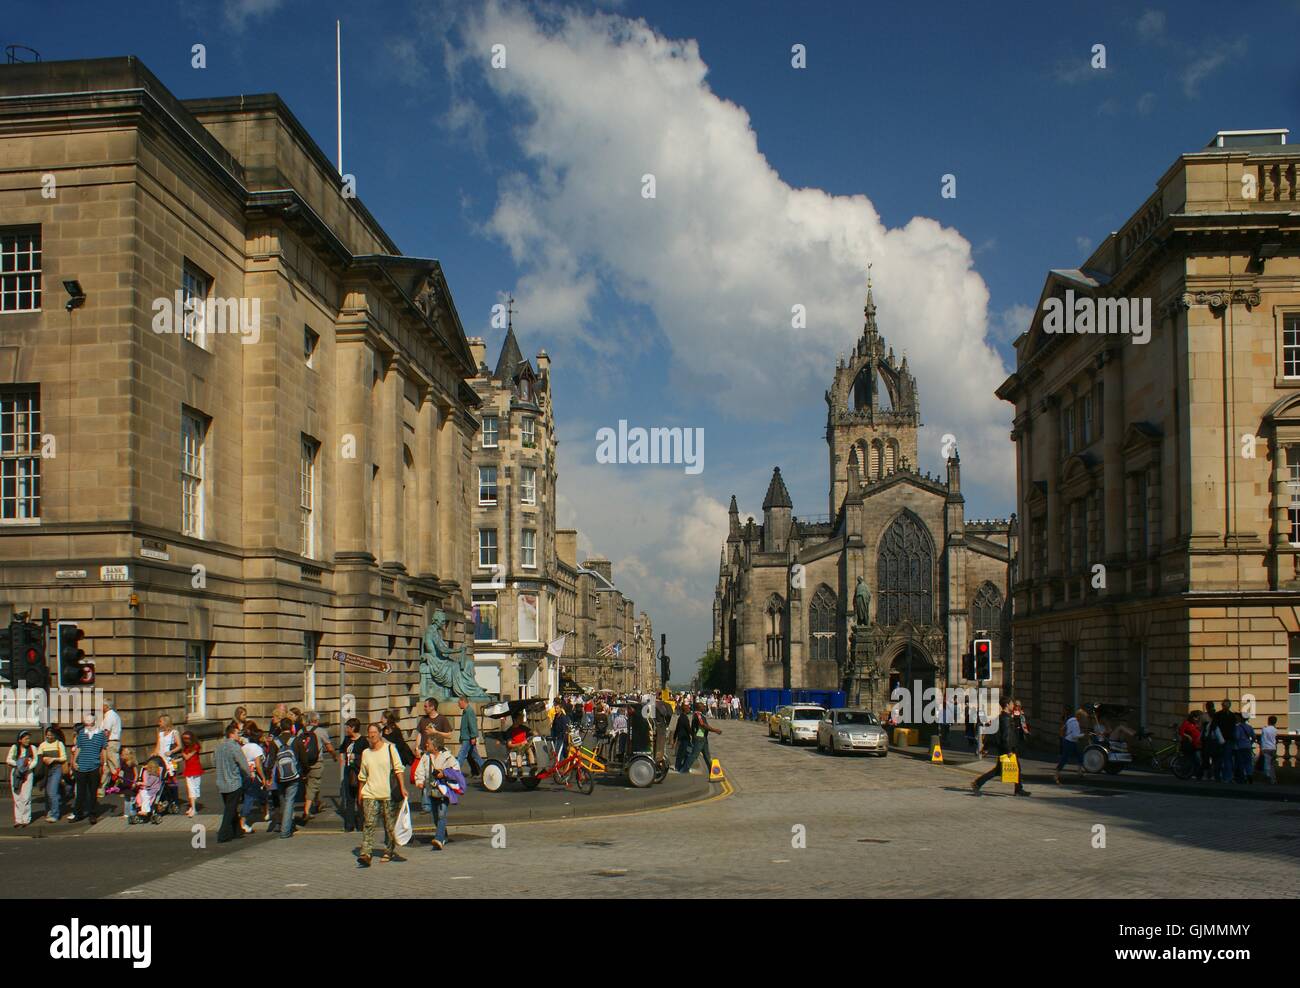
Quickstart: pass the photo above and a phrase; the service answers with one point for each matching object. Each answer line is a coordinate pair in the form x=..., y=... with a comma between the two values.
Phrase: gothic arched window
x=986, y=609
x=904, y=568
x=875, y=460
x=775, y=637
x=821, y=624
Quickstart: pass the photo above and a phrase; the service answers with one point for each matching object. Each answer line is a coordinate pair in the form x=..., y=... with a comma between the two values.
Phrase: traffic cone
x=936, y=753
x=715, y=771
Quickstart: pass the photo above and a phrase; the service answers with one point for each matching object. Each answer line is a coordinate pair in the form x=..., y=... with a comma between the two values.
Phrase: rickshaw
x=500, y=764
x=638, y=768
x=1102, y=752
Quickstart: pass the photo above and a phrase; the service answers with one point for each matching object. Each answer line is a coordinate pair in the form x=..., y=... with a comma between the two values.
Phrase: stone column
x=1113, y=427
x=389, y=436
x=427, y=472
x=350, y=509
x=1052, y=410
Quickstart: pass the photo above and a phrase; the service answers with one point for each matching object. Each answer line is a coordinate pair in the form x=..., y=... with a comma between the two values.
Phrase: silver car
x=799, y=724
x=848, y=730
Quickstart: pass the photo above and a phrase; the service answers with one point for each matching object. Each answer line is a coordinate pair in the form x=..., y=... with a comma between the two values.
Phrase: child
x=128, y=779
x=150, y=789
x=190, y=751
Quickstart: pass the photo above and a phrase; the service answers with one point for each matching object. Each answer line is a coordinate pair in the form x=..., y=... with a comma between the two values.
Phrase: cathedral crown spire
x=869, y=310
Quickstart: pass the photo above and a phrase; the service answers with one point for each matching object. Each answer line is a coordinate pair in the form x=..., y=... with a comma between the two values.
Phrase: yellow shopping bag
x=1010, y=769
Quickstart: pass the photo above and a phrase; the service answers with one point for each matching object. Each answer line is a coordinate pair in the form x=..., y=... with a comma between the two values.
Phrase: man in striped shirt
x=89, y=756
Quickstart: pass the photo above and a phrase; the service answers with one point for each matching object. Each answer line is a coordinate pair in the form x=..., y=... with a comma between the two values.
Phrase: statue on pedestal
x=862, y=604
x=447, y=673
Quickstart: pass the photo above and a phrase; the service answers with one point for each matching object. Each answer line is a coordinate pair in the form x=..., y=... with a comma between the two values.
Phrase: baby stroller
x=156, y=793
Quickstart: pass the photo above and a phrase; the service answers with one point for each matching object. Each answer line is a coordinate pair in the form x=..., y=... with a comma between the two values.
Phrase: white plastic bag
x=403, y=829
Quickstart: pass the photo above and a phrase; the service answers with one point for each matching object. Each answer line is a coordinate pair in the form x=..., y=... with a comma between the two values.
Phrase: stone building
x=605, y=647
x=257, y=406
x=784, y=610
x=1159, y=478
x=516, y=583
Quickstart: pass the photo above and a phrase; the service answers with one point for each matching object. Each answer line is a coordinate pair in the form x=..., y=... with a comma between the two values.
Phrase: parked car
x=846, y=729
x=800, y=724
x=774, y=721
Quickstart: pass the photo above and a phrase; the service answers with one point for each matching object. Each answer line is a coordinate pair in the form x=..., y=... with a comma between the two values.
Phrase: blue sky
x=775, y=187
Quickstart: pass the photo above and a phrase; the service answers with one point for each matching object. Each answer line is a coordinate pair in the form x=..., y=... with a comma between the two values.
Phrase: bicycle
x=1171, y=758
x=581, y=763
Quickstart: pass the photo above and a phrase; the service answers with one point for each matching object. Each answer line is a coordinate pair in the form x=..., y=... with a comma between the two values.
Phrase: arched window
x=986, y=609
x=904, y=573
x=775, y=637
x=821, y=624
x=874, y=473
x=891, y=457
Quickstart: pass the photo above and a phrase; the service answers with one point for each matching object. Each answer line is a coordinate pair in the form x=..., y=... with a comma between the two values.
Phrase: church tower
x=872, y=412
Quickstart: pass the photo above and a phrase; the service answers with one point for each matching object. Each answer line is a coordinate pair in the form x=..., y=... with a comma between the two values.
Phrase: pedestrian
x=319, y=747
x=128, y=778
x=169, y=739
x=431, y=716
x=1071, y=732
x=22, y=774
x=682, y=737
x=972, y=728
x=1004, y=741
x=441, y=783
x=392, y=733
x=1225, y=726
x=469, y=737
x=241, y=721
x=349, y=766
x=1243, y=769
x=290, y=765
x=1268, y=750
x=88, y=757
x=701, y=729
x=1211, y=742
x=1189, y=742
x=192, y=753
x=256, y=783
x=110, y=723
x=279, y=721
x=559, y=730
x=53, y=754
x=231, y=769
x=380, y=770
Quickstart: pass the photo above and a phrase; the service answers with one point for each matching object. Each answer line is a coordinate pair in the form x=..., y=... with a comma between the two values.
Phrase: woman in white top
x=22, y=762
x=169, y=740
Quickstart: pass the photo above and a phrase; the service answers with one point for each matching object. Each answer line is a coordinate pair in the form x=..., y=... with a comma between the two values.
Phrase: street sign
x=112, y=574
x=362, y=662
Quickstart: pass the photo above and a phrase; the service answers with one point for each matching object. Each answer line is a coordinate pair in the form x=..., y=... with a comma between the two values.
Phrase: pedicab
x=638, y=765
x=500, y=764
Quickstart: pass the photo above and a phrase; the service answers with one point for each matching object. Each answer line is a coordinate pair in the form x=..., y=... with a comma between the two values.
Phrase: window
x=490, y=427
x=309, y=343
x=528, y=549
x=904, y=572
x=485, y=617
x=1293, y=675
x=1085, y=420
x=528, y=485
x=196, y=680
x=1067, y=429
x=487, y=485
x=194, y=432
x=487, y=547
x=821, y=622
x=1293, y=487
x=20, y=270
x=528, y=617
x=1291, y=345
x=306, y=497
x=1098, y=406
x=310, y=642
x=775, y=637
x=20, y=453
x=195, y=289
x=986, y=609
x=528, y=431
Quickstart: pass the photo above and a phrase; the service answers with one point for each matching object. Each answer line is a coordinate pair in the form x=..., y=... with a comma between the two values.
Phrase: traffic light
x=73, y=669
x=968, y=665
x=27, y=655
x=983, y=659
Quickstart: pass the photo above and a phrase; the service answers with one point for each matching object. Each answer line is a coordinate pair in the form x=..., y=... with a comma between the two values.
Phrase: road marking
x=780, y=861
x=460, y=878
x=296, y=885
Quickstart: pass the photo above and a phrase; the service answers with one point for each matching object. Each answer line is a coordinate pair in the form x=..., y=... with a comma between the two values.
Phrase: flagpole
x=338, y=85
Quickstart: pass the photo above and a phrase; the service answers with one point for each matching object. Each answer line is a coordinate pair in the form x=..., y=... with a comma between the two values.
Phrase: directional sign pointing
x=363, y=662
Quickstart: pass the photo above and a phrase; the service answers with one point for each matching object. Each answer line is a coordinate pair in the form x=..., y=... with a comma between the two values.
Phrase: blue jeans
x=53, y=794
x=1069, y=753
x=700, y=746
x=1227, y=757
x=438, y=811
x=254, y=795
x=468, y=751
x=288, y=796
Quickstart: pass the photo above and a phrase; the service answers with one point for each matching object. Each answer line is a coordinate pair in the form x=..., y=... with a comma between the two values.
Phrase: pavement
x=1039, y=768
x=789, y=823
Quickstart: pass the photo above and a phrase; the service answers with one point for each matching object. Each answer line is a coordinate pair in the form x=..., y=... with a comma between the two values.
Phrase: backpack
x=312, y=744
x=286, y=764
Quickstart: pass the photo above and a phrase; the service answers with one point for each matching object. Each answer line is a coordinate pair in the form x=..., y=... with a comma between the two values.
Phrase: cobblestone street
x=872, y=827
